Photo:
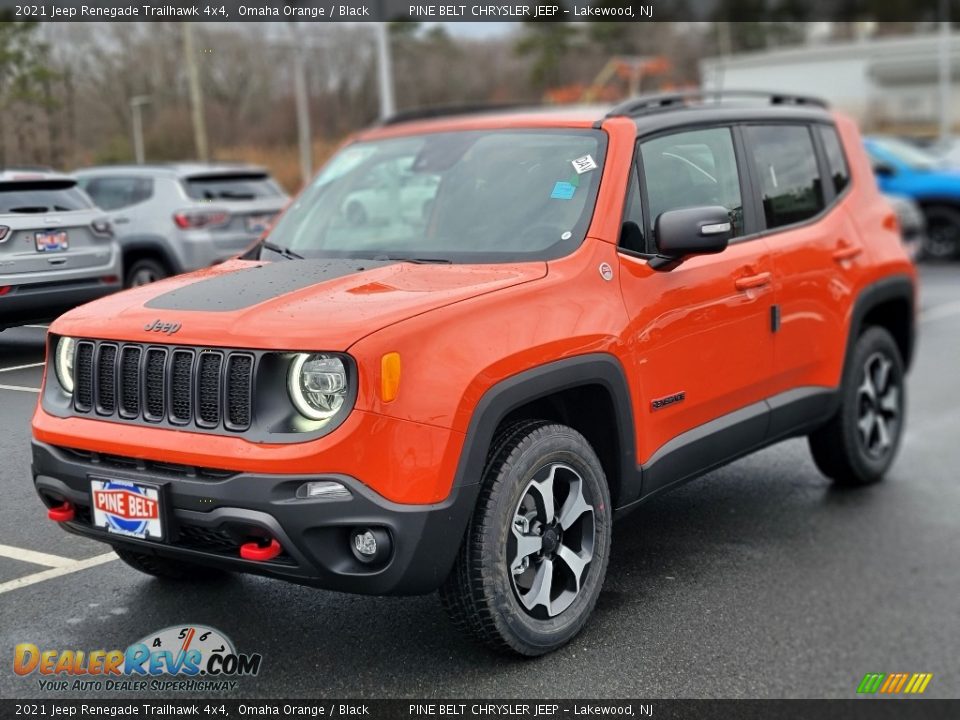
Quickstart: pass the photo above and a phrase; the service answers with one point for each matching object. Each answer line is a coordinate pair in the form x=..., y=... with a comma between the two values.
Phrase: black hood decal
x=251, y=286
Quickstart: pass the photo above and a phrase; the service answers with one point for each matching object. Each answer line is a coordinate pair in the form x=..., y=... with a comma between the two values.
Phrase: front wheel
x=858, y=445
x=942, y=239
x=535, y=553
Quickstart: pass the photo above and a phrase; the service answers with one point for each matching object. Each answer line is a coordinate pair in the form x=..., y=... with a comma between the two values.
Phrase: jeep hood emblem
x=162, y=327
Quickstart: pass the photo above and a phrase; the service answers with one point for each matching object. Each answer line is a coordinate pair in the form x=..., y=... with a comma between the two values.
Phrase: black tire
x=852, y=449
x=941, y=242
x=482, y=595
x=143, y=272
x=168, y=569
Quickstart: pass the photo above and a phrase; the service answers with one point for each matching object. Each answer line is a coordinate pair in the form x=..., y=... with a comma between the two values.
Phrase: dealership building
x=886, y=83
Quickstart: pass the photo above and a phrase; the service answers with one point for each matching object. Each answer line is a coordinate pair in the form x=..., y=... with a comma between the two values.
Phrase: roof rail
x=428, y=113
x=666, y=101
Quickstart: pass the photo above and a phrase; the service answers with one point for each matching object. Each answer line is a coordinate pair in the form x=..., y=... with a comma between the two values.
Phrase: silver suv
x=171, y=219
x=57, y=250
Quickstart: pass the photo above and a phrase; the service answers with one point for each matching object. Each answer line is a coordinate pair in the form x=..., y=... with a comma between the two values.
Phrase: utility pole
x=946, y=121
x=385, y=70
x=136, y=109
x=303, y=105
x=196, y=94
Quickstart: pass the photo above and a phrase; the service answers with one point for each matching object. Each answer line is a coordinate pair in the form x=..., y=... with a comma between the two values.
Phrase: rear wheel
x=143, y=272
x=942, y=239
x=858, y=445
x=535, y=553
x=166, y=568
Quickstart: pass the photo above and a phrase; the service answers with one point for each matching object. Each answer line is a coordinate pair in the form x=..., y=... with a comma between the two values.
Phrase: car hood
x=288, y=304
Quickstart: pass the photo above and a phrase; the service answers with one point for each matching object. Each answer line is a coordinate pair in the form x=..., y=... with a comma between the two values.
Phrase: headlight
x=63, y=362
x=318, y=385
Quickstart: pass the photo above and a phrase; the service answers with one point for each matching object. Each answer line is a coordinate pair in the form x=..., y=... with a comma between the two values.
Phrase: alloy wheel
x=879, y=401
x=550, y=547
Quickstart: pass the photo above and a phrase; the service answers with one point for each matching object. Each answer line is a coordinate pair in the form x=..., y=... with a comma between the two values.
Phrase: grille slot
x=153, y=392
x=181, y=376
x=130, y=381
x=107, y=379
x=239, y=391
x=173, y=386
x=208, y=389
x=83, y=390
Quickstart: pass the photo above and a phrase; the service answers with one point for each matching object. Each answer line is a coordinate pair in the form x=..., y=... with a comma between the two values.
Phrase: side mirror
x=884, y=170
x=690, y=231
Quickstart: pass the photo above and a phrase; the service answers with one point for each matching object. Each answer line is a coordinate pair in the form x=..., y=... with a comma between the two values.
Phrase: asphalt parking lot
x=758, y=580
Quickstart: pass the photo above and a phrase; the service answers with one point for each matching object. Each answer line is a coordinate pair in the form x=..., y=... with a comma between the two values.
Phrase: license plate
x=52, y=241
x=259, y=223
x=127, y=508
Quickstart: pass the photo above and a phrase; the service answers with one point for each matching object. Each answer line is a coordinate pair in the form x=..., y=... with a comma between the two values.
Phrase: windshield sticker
x=563, y=190
x=584, y=164
x=567, y=235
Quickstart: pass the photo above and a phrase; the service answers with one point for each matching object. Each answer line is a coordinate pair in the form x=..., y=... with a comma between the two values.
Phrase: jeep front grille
x=174, y=386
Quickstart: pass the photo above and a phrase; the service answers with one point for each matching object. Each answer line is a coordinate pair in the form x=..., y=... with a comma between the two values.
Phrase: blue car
x=904, y=169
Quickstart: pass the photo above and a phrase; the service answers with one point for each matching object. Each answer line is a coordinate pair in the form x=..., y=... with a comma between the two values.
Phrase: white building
x=883, y=82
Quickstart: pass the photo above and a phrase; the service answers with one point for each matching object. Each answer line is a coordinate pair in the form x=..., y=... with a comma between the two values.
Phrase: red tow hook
x=260, y=553
x=61, y=513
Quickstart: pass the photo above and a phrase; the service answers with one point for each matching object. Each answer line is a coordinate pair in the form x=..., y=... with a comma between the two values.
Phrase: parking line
x=36, y=558
x=56, y=572
x=20, y=388
x=22, y=367
x=38, y=327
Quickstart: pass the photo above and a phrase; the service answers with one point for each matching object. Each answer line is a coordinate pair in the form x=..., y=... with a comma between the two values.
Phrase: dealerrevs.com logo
x=190, y=658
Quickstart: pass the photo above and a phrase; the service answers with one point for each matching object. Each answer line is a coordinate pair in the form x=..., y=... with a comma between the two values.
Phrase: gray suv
x=57, y=250
x=171, y=219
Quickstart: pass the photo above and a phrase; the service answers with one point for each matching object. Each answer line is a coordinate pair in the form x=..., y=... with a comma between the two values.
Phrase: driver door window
x=691, y=169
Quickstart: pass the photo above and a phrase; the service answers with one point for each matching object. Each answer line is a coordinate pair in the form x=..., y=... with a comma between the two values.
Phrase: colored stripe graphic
x=894, y=683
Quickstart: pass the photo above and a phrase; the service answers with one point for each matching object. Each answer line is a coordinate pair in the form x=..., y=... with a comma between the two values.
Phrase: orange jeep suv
x=476, y=339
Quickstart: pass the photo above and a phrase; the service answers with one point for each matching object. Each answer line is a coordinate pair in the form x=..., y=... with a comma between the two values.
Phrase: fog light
x=370, y=545
x=323, y=490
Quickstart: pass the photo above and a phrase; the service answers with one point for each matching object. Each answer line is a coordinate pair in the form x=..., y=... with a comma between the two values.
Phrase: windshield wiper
x=280, y=250
x=417, y=260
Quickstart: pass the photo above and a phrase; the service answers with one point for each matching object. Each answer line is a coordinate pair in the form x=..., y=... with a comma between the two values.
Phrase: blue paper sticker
x=563, y=190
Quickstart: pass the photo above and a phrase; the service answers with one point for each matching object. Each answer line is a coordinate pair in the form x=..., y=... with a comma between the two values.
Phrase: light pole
x=945, y=79
x=136, y=105
x=385, y=70
x=302, y=103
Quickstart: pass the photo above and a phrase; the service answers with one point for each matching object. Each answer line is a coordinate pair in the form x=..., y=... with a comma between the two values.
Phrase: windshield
x=467, y=196
x=908, y=154
x=248, y=186
x=39, y=196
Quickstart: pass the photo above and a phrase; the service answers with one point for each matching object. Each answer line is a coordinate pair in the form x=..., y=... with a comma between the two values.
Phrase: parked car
x=599, y=307
x=171, y=219
x=56, y=249
x=913, y=226
x=904, y=169
x=388, y=187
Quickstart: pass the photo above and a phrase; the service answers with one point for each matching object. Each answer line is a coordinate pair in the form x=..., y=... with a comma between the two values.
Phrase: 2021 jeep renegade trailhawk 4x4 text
x=572, y=312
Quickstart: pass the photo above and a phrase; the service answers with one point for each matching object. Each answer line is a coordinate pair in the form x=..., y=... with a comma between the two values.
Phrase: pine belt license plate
x=52, y=241
x=127, y=508
x=259, y=223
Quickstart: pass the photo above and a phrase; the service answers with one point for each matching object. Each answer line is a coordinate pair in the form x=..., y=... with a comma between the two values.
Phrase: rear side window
x=246, y=186
x=837, y=163
x=690, y=169
x=41, y=197
x=786, y=167
x=113, y=193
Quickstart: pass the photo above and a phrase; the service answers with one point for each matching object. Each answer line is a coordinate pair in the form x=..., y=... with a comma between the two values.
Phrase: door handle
x=752, y=281
x=847, y=252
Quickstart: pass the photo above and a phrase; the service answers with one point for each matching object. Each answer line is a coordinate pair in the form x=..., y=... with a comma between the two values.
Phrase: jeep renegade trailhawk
x=552, y=316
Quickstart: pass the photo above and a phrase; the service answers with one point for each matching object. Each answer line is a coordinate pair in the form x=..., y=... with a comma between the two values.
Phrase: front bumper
x=208, y=515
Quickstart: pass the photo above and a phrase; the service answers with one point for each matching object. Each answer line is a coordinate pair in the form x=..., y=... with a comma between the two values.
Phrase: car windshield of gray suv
x=464, y=196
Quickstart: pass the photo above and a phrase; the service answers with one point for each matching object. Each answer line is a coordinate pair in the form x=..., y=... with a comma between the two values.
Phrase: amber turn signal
x=389, y=376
